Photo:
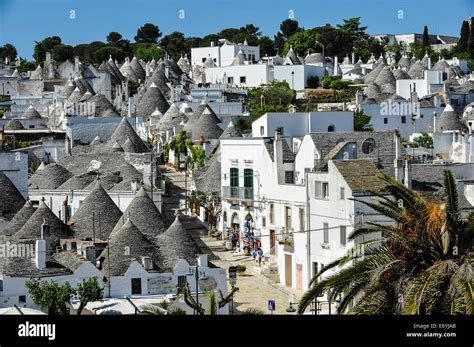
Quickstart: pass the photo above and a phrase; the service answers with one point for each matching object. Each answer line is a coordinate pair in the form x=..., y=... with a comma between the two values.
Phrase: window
x=331, y=128
x=22, y=299
x=325, y=190
x=287, y=218
x=248, y=178
x=325, y=233
x=248, y=183
x=342, y=194
x=230, y=80
x=234, y=177
x=289, y=177
x=203, y=60
x=243, y=79
x=1, y=285
x=272, y=214
x=404, y=119
x=264, y=222
x=136, y=286
x=215, y=60
x=385, y=121
x=342, y=232
x=302, y=219
x=262, y=130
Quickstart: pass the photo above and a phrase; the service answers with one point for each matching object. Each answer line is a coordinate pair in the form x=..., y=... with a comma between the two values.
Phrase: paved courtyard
x=254, y=288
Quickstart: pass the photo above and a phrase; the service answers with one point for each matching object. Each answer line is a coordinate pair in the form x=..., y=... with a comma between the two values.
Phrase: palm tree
x=422, y=263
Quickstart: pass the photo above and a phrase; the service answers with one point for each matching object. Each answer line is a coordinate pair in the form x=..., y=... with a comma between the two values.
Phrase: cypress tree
x=464, y=37
x=426, y=37
x=471, y=39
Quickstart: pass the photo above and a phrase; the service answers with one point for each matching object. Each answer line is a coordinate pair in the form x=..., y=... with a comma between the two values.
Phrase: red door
x=299, y=276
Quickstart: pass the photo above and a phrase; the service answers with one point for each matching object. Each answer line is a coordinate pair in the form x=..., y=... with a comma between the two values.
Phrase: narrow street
x=255, y=289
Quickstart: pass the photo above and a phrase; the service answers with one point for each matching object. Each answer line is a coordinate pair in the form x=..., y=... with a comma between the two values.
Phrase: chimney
x=48, y=57
x=167, y=71
x=147, y=263
x=202, y=260
x=45, y=234
x=76, y=64
x=67, y=144
x=134, y=186
x=212, y=44
x=278, y=153
x=147, y=173
x=429, y=63
x=336, y=64
x=407, y=174
x=364, y=71
x=40, y=254
x=353, y=58
x=437, y=101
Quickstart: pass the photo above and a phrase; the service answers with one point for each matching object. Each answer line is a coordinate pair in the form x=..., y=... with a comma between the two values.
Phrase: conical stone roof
x=150, y=101
x=14, y=124
x=106, y=215
x=386, y=80
x=176, y=244
x=231, y=131
x=124, y=132
x=11, y=200
x=449, y=121
x=144, y=214
x=20, y=218
x=206, y=126
x=51, y=177
x=31, y=230
x=68, y=89
x=416, y=70
x=127, y=244
x=171, y=118
x=30, y=113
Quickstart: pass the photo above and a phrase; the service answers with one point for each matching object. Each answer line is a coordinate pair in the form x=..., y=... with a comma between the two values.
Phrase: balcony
x=237, y=193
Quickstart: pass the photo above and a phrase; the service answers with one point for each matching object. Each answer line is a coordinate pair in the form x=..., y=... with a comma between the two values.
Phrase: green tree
x=103, y=54
x=162, y=308
x=313, y=82
x=328, y=80
x=147, y=51
x=470, y=43
x=267, y=46
x=362, y=121
x=50, y=295
x=148, y=33
x=8, y=51
x=88, y=291
x=62, y=53
x=462, y=45
x=174, y=44
x=212, y=205
x=426, y=37
x=289, y=27
x=423, y=264
x=354, y=28
x=114, y=38
x=302, y=42
x=180, y=144
x=26, y=65
x=43, y=46
x=424, y=140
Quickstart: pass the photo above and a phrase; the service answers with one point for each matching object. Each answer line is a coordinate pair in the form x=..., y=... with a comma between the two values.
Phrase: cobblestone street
x=254, y=288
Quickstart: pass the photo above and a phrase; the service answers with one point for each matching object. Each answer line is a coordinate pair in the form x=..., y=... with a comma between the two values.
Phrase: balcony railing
x=237, y=193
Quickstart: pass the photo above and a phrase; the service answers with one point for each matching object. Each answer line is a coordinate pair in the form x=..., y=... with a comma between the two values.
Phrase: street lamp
x=319, y=43
x=164, y=50
x=290, y=308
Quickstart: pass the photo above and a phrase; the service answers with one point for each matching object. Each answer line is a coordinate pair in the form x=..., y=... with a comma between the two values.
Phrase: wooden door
x=288, y=273
x=272, y=242
x=299, y=276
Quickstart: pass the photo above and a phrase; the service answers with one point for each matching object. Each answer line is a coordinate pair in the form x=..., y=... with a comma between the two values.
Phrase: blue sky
x=24, y=21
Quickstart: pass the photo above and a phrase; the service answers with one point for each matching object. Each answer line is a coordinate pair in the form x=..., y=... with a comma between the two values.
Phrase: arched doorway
x=235, y=222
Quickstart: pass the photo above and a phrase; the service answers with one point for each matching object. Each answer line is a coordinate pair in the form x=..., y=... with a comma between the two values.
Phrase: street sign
x=271, y=305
